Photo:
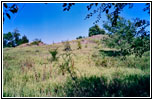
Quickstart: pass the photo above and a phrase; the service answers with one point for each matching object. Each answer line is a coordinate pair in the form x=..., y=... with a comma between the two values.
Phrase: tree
x=16, y=36
x=95, y=30
x=105, y=8
x=9, y=9
x=24, y=39
x=13, y=39
x=126, y=36
x=8, y=40
x=80, y=37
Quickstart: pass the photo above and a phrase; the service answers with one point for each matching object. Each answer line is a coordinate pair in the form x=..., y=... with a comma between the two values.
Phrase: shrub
x=36, y=42
x=127, y=86
x=80, y=37
x=67, y=46
x=67, y=65
x=79, y=45
x=95, y=30
x=53, y=53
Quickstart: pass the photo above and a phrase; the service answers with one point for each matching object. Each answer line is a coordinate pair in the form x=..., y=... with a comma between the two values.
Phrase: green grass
x=28, y=72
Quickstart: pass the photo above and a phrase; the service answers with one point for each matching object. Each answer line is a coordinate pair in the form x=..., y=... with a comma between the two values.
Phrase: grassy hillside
x=29, y=71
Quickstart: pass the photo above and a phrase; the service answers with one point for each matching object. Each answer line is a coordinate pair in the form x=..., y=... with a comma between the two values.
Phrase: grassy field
x=99, y=72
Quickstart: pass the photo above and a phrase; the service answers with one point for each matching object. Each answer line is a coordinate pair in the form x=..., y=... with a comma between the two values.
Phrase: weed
x=67, y=66
x=53, y=53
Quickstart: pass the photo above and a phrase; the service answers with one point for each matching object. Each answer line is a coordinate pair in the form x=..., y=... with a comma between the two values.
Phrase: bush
x=53, y=53
x=35, y=42
x=67, y=65
x=67, y=46
x=127, y=86
x=79, y=45
x=80, y=37
x=95, y=30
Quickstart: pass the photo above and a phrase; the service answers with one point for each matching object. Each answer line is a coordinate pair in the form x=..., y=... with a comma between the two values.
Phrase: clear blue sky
x=49, y=22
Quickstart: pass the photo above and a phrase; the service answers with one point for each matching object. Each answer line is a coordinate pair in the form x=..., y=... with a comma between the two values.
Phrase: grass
x=28, y=72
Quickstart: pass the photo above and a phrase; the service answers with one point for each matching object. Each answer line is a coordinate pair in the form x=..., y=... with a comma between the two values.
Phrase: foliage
x=107, y=9
x=80, y=37
x=79, y=45
x=54, y=53
x=67, y=46
x=12, y=39
x=122, y=86
x=9, y=9
x=24, y=40
x=95, y=30
x=36, y=42
x=33, y=75
x=67, y=65
x=125, y=37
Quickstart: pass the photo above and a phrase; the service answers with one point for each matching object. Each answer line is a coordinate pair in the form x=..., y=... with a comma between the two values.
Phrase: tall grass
x=31, y=74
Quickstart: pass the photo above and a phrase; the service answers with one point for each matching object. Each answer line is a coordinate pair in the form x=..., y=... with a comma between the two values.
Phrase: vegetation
x=95, y=30
x=79, y=45
x=80, y=37
x=67, y=46
x=84, y=72
x=36, y=42
x=53, y=53
x=125, y=37
x=116, y=64
x=13, y=39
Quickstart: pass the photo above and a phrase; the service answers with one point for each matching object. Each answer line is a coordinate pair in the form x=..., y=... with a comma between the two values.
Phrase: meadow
x=89, y=69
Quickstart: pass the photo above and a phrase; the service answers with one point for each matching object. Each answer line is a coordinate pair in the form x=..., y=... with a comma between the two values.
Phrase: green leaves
x=11, y=39
x=129, y=37
x=5, y=5
x=8, y=15
x=95, y=30
x=67, y=6
x=13, y=9
x=64, y=5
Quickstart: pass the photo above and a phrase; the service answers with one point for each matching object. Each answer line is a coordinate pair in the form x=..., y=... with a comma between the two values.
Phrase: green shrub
x=35, y=42
x=127, y=86
x=137, y=62
x=80, y=37
x=79, y=45
x=66, y=65
x=53, y=53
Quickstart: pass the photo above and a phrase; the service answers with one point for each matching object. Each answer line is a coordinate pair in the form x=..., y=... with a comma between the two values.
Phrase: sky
x=50, y=23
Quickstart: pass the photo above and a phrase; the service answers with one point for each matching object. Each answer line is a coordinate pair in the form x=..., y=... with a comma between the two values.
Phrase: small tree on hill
x=24, y=39
x=95, y=30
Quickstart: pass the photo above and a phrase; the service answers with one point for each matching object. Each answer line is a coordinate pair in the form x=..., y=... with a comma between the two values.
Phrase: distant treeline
x=12, y=39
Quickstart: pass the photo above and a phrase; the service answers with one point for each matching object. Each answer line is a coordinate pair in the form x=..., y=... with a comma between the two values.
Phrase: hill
x=96, y=71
